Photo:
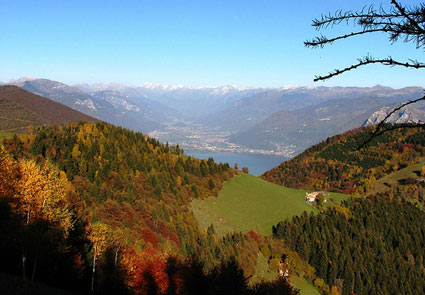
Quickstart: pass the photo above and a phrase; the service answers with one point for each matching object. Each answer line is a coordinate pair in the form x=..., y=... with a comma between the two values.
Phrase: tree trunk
x=24, y=257
x=93, y=271
x=34, y=268
x=115, y=266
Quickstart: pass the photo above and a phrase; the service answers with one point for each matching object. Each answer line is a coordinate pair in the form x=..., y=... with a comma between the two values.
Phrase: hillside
x=20, y=108
x=406, y=180
x=369, y=246
x=249, y=203
x=338, y=164
x=95, y=202
x=15, y=118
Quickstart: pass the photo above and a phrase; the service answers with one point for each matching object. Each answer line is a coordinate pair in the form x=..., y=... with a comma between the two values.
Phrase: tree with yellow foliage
x=97, y=233
x=335, y=290
x=9, y=174
x=42, y=194
x=38, y=195
x=423, y=171
x=41, y=199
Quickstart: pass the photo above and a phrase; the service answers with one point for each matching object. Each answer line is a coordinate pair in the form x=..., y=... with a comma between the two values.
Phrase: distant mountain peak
x=289, y=86
x=22, y=80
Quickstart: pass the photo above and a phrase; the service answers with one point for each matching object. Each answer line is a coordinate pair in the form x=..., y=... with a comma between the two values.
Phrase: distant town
x=195, y=137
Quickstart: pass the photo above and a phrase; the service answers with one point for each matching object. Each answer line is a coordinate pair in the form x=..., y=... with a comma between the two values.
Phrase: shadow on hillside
x=188, y=277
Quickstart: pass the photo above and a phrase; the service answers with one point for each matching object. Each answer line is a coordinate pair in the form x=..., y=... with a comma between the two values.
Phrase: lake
x=256, y=163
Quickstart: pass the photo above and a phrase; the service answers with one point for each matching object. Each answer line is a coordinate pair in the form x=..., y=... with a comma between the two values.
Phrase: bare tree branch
x=397, y=23
x=339, y=17
x=369, y=60
x=321, y=41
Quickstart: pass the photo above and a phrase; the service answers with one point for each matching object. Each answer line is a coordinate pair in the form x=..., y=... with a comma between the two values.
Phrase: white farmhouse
x=310, y=198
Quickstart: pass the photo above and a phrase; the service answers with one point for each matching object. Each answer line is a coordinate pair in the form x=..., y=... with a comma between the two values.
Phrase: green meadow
x=305, y=287
x=249, y=203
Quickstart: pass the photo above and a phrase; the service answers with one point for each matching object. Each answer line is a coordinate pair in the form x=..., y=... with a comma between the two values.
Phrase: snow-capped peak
x=22, y=80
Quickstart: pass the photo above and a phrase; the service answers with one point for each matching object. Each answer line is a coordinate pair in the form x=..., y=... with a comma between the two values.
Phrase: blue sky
x=195, y=43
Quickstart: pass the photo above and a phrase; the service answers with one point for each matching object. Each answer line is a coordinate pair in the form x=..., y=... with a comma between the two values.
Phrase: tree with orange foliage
x=150, y=276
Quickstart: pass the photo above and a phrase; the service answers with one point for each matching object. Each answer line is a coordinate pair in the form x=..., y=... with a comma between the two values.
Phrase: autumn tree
x=39, y=197
x=9, y=174
x=42, y=192
x=97, y=234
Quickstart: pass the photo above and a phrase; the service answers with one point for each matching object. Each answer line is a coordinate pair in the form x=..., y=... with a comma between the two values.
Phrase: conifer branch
x=399, y=22
x=322, y=40
x=370, y=60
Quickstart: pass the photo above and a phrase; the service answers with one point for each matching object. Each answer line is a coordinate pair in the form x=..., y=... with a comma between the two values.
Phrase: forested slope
x=93, y=206
x=370, y=245
x=338, y=164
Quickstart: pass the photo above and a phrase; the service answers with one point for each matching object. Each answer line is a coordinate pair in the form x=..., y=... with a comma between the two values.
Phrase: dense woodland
x=342, y=164
x=94, y=208
x=91, y=206
x=373, y=245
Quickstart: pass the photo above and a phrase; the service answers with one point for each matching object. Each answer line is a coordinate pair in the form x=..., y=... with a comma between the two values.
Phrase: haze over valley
x=277, y=122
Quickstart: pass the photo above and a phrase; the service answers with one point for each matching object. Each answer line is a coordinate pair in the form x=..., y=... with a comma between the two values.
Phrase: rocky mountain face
x=408, y=114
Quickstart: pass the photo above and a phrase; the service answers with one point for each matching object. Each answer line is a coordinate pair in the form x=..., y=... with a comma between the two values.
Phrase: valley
x=259, y=121
x=202, y=148
x=148, y=200
x=195, y=137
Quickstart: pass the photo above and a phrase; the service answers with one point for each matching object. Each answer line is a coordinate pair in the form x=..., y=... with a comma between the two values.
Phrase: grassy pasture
x=249, y=203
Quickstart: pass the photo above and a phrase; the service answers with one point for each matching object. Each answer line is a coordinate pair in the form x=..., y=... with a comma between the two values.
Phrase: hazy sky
x=245, y=43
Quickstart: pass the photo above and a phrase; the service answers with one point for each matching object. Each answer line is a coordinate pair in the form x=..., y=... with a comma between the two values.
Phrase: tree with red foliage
x=254, y=235
x=150, y=237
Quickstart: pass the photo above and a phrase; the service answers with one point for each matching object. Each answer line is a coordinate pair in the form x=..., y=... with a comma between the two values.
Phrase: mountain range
x=309, y=125
x=283, y=120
